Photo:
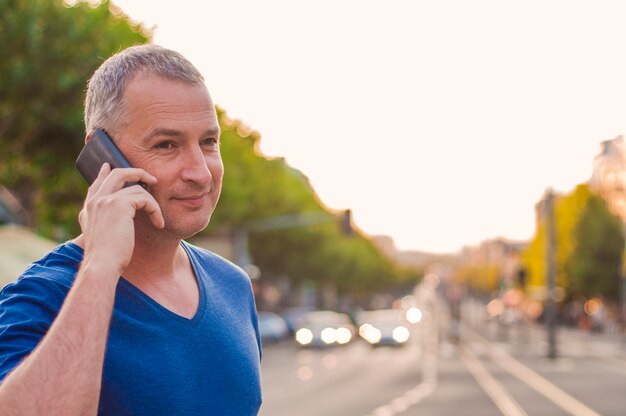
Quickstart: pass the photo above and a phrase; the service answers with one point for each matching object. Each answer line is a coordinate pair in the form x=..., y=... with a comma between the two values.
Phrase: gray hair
x=104, y=102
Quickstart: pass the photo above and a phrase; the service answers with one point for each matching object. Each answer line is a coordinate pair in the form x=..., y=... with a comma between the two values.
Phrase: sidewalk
x=527, y=338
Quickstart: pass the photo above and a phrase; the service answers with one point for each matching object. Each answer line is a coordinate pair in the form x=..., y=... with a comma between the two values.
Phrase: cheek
x=164, y=180
x=157, y=191
x=217, y=170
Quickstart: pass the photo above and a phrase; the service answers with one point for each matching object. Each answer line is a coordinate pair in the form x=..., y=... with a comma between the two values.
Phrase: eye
x=164, y=145
x=211, y=143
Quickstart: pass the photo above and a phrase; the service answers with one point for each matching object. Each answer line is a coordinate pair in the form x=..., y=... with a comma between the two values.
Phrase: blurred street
x=491, y=370
x=428, y=198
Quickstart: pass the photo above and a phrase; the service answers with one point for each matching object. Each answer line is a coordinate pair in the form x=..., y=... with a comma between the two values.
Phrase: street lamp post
x=550, y=275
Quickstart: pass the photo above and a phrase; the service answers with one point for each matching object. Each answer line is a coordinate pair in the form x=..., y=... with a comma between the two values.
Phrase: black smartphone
x=98, y=150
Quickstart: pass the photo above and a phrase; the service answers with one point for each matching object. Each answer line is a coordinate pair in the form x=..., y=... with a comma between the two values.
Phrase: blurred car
x=409, y=305
x=325, y=328
x=384, y=327
x=294, y=316
x=272, y=327
x=414, y=315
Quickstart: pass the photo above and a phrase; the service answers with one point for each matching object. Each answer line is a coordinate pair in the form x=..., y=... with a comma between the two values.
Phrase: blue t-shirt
x=156, y=362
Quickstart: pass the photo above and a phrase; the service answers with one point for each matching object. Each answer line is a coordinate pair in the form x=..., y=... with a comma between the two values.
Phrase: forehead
x=151, y=99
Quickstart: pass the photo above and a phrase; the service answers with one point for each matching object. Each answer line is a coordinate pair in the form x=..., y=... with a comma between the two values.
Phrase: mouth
x=192, y=201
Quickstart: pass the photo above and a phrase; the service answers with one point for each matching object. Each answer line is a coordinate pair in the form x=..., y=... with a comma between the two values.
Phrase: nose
x=196, y=168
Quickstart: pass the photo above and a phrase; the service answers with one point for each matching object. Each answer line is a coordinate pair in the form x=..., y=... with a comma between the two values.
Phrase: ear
x=88, y=136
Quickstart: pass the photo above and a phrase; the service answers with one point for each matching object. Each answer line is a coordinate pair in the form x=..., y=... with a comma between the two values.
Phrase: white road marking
x=429, y=355
x=499, y=395
x=537, y=382
x=404, y=402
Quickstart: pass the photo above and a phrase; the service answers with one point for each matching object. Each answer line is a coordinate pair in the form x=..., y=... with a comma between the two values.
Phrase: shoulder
x=29, y=305
x=50, y=276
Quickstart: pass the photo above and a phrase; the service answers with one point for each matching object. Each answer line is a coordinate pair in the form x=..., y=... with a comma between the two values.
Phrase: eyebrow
x=161, y=131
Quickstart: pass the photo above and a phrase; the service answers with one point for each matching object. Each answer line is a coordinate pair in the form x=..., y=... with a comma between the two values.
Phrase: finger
x=119, y=177
x=142, y=200
x=105, y=169
x=147, y=203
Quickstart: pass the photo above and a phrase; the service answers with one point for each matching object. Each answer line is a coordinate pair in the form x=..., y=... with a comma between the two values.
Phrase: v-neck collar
x=200, y=277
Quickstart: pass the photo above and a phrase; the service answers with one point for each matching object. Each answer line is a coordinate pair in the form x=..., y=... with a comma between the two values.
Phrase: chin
x=175, y=228
x=185, y=229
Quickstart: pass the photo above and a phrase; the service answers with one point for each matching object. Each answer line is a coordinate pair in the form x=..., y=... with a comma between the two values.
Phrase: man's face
x=172, y=132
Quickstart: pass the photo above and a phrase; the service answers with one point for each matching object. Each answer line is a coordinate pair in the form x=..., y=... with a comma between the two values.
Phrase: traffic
x=416, y=357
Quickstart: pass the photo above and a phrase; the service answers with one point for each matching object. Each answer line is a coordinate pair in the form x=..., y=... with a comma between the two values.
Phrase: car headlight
x=400, y=334
x=343, y=335
x=329, y=335
x=364, y=328
x=414, y=315
x=370, y=333
x=304, y=336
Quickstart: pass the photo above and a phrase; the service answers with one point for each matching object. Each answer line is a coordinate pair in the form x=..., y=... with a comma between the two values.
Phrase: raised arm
x=62, y=375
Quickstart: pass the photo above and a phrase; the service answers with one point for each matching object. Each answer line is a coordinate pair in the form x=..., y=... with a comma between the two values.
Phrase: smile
x=192, y=201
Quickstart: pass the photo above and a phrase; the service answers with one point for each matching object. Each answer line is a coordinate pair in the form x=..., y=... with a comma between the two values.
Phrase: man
x=128, y=319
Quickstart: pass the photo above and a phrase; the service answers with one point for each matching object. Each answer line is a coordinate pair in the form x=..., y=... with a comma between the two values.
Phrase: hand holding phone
x=99, y=150
x=108, y=229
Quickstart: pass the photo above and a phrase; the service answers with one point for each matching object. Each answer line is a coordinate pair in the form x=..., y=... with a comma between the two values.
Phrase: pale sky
x=439, y=123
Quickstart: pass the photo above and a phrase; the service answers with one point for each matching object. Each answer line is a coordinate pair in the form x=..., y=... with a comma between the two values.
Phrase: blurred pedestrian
x=454, y=295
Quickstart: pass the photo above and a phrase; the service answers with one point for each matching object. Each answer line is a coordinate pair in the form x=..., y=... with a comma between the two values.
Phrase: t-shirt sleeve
x=27, y=309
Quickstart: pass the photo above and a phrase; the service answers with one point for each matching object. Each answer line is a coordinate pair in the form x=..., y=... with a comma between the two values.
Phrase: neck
x=161, y=269
x=155, y=258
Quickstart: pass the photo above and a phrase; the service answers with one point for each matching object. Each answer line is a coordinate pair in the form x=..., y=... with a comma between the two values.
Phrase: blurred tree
x=257, y=187
x=567, y=212
x=594, y=263
x=49, y=50
x=483, y=279
x=534, y=259
x=589, y=246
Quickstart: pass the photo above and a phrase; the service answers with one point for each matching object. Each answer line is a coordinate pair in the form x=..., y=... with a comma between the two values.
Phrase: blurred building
x=541, y=206
x=609, y=175
x=414, y=259
x=499, y=252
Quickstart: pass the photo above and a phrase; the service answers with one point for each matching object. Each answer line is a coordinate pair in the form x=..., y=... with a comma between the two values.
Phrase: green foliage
x=594, y=264
x=589, y=245
x=49, y=51
x=256, y=187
